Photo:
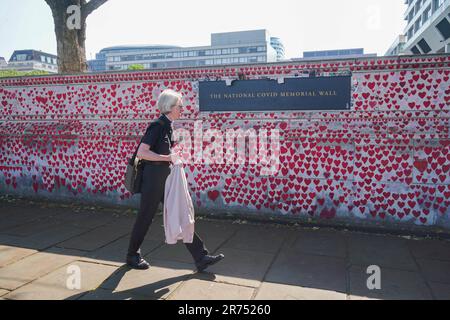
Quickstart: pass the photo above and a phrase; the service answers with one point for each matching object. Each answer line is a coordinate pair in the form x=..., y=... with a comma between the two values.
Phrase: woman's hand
x=174, y=156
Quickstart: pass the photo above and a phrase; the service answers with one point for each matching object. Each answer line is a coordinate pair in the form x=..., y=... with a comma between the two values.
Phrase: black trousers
x=153, y=184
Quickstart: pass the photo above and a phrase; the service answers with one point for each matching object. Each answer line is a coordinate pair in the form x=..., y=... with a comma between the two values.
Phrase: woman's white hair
x=167, y=100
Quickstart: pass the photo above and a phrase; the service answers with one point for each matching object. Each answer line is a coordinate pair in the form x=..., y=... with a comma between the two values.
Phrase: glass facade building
x=226, y=48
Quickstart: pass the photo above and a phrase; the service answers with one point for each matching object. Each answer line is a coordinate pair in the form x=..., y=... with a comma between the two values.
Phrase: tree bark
x=71, y=42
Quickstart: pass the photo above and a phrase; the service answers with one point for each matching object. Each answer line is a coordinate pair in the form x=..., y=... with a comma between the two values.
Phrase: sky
x=302, y=25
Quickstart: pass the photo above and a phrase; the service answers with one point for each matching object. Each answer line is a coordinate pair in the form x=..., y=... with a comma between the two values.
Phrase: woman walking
x=155, y=151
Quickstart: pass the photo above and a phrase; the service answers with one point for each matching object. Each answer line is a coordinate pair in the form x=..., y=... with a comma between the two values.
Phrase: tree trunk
x=71, y=42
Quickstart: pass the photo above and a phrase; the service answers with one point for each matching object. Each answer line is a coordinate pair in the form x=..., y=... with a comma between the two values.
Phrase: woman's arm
x=145, y=153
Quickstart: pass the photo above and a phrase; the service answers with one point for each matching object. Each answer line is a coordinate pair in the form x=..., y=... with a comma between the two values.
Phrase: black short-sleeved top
x=159, y=137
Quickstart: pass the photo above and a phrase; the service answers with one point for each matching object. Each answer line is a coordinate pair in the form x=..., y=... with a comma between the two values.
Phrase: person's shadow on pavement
x=152, y=291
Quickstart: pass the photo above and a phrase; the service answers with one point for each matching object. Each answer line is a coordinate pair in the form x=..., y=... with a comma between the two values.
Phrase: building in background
x=29, y=60
x=397, y=48
x=278, y=46
x=99, y=63
x=3, y=63
x=335, y=54
x=254, y=46
x=428, y=27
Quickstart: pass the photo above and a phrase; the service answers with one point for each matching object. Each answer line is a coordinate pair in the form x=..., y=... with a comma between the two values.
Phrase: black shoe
x=136, y=262
x=208, y=261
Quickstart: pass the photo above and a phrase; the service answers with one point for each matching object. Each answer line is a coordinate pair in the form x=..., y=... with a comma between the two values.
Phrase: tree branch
x=89, y=7
x=51, y=4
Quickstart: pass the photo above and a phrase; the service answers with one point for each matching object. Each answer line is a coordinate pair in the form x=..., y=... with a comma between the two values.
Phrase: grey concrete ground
x=43, y=246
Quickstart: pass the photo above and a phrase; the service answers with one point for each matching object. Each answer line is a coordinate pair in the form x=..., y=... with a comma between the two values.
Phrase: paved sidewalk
x=42, y=244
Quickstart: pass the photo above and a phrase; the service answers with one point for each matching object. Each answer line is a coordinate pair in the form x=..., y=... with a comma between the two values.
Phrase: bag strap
x=136, y=151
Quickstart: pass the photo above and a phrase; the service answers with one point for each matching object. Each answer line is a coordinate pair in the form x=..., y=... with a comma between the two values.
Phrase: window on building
x=260, y=49
x=410, y=33
x=21, y=57
x=423, y=44
x=426, y=14
x=417, y=6
x=437, y=4
x=415, y=50
x=410, y=16
x=42, y=59
x=418, y=24
x=444, y=28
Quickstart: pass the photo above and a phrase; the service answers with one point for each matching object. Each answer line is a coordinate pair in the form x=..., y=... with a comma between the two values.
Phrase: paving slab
x=435, y=270
x=217, y=229
x=32, y=267
x=257, y=238
x=15, y=216
x=11, y=254
x=32, y=227
x=3, y=292
x=384, y=251
x=97, y=238
x=197, y=289
x=395, y=285
x=115, y=252
x=279, y=291
x=312, y=271
x=430, y=249
x=441, y=291
x=157, y=282
x=53, y=286
x=105, y=294
x=47, y=238
x=319, y=242
x=242, y=267
x=84, y=219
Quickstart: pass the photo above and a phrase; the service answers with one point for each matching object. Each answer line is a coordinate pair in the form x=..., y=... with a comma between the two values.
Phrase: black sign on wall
x=305, y=94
